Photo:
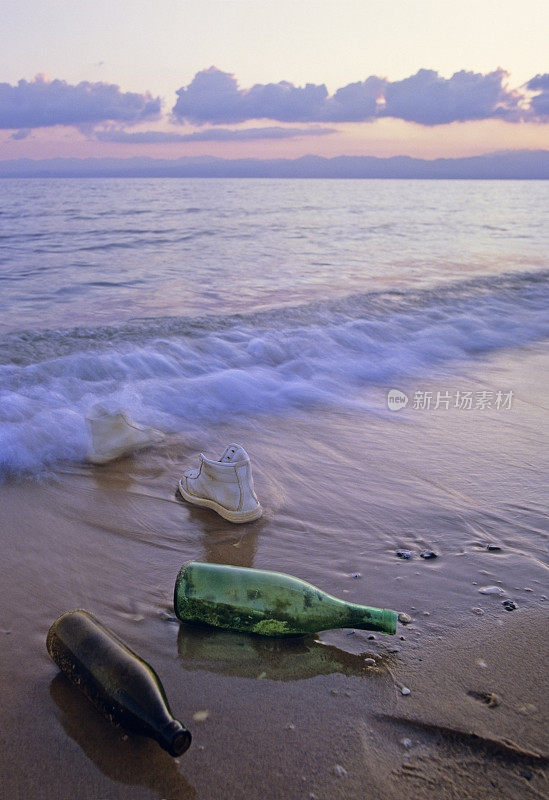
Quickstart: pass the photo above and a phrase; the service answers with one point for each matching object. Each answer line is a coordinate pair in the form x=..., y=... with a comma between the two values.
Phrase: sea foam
x=178, y=373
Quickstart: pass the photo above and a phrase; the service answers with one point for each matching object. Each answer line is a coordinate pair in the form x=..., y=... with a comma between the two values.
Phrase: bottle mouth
x=390, y=621
x=175, y=739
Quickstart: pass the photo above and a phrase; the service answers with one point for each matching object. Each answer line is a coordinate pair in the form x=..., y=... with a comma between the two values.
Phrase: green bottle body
x=122, y=686
x=267, y=603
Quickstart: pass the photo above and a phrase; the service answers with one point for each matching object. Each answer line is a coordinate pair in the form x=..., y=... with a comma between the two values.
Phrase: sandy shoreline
x=342, y=492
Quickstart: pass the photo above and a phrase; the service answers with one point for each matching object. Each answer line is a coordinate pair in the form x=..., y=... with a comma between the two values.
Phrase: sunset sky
x=272, y=78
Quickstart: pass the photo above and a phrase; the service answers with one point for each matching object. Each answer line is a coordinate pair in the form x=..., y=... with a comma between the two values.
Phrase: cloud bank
x=42, y=103
x=214, y=97
x=425, y=98
x=209, y=135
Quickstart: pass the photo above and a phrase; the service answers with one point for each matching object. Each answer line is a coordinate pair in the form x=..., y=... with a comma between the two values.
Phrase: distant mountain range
x=509, y=164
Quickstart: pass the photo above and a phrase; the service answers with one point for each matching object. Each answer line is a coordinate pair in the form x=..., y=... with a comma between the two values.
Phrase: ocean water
x=191, y=302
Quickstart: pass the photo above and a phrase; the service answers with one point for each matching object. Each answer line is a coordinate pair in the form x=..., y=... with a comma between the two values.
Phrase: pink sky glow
x=296, y=77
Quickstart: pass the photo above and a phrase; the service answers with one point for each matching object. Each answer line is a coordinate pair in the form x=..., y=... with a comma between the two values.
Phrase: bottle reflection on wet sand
x=124, y=758
x=247, y=656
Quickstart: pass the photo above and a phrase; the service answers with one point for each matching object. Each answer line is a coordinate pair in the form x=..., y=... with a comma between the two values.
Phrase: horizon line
x=499, y=165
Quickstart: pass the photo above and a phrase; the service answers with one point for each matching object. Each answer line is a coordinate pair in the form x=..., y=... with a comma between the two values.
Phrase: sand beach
x=320, y=717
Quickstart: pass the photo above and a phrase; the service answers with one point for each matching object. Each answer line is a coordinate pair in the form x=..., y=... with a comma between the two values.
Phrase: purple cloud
x=214, y=97
x=24, y=133
x=209, y=135
x=426, y=98
x=40, y=103
x=429, y=99
x=539, y=104
x=358, y=101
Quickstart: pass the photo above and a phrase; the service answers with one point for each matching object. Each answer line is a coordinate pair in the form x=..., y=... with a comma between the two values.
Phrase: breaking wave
x=174, y=373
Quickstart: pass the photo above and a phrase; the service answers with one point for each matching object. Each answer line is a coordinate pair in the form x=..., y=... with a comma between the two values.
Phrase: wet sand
x=307, y=718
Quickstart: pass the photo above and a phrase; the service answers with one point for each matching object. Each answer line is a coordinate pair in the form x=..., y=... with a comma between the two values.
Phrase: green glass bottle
x=268, y=603
x=116, y=680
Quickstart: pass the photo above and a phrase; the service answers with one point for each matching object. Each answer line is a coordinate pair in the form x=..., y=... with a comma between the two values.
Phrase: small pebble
x=493, y=548
x=371, y=636
x=394, y=650
x=491, y=590
x=340, y=771
x=402, y=638
x=290, y=726
x=480, y=663
x=201, y=747
x=426, y=613
x=370, y=662
x=527, y=589
x=334, y=691
x=404, y=554
x=356, y=575
x=406, y=743
x=404, y=618
x=509, y=605
x=428, y=554
x=478, y=611
x=201, y=716
x=405, y=691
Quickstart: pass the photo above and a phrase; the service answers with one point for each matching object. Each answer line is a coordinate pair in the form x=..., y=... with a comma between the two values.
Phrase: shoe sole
x=231, y=516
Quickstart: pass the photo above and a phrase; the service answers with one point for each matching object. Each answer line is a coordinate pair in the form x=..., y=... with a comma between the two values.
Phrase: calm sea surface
x=204, y=299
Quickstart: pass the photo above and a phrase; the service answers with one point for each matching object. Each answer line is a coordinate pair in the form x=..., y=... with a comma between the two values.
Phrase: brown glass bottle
x=115, y=679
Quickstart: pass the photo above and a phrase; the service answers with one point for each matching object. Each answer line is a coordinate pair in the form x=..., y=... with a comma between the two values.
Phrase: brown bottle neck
x=174, y=738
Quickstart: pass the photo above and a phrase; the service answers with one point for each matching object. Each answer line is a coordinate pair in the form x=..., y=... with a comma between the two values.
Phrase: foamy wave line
x=202, y=373
x=28, y=346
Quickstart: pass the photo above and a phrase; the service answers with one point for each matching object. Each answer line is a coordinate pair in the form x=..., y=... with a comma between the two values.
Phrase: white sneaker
x=115, y=435
x=226, y=486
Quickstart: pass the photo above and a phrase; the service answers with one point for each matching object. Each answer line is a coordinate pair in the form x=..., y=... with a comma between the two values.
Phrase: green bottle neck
x=372, y=619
